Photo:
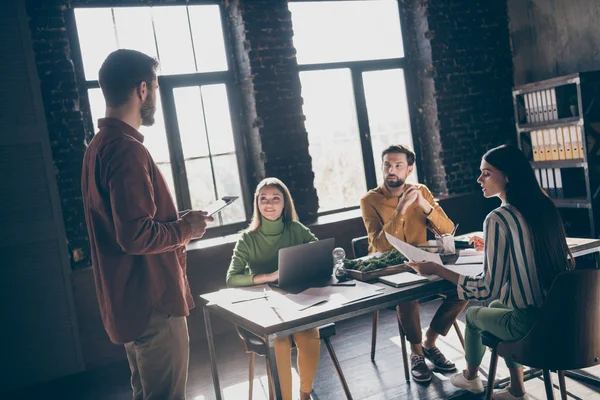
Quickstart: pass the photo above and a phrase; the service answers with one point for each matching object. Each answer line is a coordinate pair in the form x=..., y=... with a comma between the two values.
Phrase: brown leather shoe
x=438, y=359
x=419, y=369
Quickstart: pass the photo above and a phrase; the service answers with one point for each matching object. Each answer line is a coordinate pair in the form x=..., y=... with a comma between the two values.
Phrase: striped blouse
x=509, y=266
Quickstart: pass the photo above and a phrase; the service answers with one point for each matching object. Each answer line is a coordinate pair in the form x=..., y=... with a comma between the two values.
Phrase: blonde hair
x=289, y=211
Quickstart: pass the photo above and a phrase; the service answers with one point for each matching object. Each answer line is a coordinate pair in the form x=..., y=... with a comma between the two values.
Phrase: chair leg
x=562, y=384
x=492, y=375
x=270, y=381
x=461, y=339
x=374, y=334
x=337, y=366
x=251, y=376
x=548, y=384
x=403, y=344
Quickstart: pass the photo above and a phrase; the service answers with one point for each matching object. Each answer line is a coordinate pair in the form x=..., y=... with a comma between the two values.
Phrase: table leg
x=211, y=354
x=273, y=366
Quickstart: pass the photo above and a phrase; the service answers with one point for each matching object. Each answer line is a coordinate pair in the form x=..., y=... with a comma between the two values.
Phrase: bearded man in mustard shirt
x=406, y=211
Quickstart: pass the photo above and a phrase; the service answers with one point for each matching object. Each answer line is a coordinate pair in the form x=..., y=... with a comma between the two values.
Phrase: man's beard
x=394, y=184
x=147, y=111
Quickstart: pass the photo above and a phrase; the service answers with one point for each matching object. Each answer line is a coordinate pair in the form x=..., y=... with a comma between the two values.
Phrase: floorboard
x=381, y=380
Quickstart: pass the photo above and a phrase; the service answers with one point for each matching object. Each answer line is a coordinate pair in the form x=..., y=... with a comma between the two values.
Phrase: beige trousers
x=159, y=359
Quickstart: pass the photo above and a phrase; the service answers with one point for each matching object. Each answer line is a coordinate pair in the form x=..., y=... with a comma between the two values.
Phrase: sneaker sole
x=421, y=380
x=445, y=368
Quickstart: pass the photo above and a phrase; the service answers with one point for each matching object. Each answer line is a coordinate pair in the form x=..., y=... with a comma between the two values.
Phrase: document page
x=477, y=259
x=411, y=252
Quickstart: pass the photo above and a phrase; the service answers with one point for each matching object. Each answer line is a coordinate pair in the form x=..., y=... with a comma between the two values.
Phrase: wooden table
x=270, y=323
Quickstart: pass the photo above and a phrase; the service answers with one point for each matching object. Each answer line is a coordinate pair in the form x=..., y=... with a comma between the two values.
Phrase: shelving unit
x=558, y=128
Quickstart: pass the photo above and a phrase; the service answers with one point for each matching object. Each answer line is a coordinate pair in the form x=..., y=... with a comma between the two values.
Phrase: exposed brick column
x=464, y=46
x=267, y=67
x=66, y=128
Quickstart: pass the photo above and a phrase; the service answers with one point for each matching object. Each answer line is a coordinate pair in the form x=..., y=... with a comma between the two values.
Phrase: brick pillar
x=464, y=62
x=268, y=71
x=66, y=128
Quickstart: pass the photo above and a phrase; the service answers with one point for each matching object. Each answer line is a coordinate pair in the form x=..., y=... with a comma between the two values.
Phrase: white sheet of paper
x=466, y=269
x=344, y=294
x=230, y=295
x=403, y=279
x=470, y=252
x=478, y=259
x=411, y=252
x=302, y=301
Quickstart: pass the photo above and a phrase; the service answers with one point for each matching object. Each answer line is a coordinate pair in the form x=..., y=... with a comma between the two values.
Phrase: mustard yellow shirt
x=378, y=208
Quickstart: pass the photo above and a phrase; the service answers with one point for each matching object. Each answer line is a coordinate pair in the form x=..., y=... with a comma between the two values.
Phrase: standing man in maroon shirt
x=137, y=241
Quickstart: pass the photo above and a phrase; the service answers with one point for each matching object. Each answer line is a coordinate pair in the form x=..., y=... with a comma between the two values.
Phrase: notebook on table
x=402, y=279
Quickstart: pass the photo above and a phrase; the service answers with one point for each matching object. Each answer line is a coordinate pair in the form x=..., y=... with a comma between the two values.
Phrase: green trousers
x=507, y=324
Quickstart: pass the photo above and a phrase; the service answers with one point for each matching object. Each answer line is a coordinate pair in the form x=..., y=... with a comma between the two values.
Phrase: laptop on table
x=305, y=265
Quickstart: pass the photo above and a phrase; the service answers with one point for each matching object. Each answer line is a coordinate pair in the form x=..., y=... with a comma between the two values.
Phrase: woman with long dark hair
x=274, y=226
x=525, y=248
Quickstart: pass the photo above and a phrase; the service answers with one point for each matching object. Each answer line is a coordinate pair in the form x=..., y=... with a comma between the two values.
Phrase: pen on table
x=343, y=284
x=454, y=230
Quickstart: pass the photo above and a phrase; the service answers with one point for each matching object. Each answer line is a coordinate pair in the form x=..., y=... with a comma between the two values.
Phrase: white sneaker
x=504, y=394
x=473, y=386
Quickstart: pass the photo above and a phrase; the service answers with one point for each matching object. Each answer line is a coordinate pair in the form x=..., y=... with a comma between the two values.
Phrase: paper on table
x=231, y=295
x=411, y=252
x=301, y=301
x=466, y=269
x=478, y=259
x=345, y=294
x=470, y=252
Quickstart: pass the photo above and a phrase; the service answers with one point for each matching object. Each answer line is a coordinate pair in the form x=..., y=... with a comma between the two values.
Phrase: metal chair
x=256, y=345
x=360, y=248
x=566, y=335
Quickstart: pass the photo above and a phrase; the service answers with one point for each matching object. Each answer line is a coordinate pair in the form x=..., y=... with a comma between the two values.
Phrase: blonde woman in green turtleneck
x=274, y=226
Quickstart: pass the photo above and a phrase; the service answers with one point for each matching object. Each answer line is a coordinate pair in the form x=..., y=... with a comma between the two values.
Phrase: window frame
x=360, y=101
x=166, y=85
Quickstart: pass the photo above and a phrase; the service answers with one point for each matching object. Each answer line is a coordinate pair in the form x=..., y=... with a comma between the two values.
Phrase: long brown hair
x=543, y=219
x=289, y=211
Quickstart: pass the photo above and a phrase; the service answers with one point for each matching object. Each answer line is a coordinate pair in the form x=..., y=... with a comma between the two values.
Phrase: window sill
x=232, y=238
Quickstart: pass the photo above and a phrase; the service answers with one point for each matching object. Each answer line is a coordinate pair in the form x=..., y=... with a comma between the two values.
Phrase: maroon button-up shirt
x=137, y=242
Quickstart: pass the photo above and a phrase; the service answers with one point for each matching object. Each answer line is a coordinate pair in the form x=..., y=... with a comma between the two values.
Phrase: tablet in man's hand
x=220, y=204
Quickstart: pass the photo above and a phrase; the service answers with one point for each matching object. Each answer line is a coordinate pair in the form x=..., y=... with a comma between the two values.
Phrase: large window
x=193, y=139
x=351, y=60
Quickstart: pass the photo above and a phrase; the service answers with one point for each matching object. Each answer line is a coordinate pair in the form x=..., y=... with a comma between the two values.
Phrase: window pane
x=155, y=136
x=346, y=31
x=200, y=182
x=190, y=119
x=174, y=40
x=167, y=172
x=96, y=38
x=97, y=106
x=389, y=122
x=207, y=34
x=228, y=184
x=134, y=29
x=334, y=138
x=218, y=119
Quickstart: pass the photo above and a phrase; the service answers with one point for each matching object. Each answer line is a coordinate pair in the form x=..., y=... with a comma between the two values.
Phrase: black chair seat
x=257, y=345
x=490, y=340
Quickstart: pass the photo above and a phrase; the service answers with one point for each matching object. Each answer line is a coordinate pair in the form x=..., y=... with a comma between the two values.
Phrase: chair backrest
x=567, y=332
x=360, y=246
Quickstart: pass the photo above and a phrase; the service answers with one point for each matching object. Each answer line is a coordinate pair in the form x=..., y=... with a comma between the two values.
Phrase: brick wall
x=66, y=126
x=471, y=68
x=266, y=59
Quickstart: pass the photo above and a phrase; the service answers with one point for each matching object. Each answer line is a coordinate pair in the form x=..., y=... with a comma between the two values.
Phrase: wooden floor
x=383, y=379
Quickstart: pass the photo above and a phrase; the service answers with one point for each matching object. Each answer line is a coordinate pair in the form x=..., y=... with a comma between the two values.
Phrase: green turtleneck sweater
x=257, y=252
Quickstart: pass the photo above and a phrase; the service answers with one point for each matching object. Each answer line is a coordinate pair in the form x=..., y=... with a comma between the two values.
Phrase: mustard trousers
x=308, y=345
